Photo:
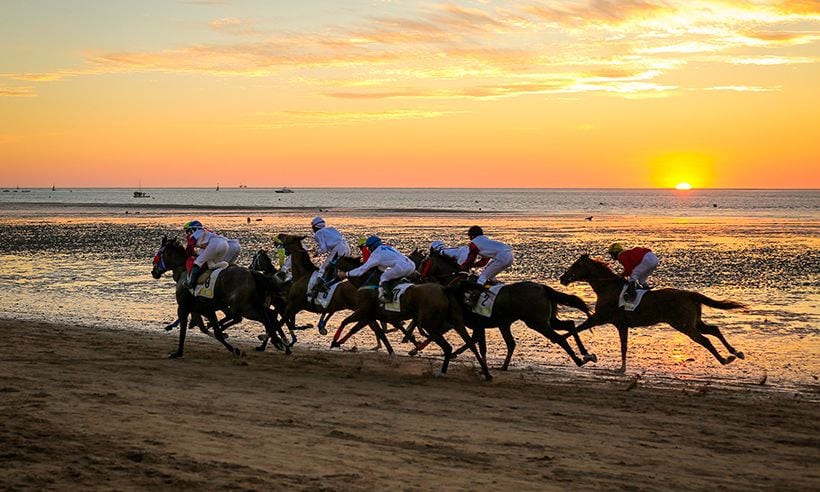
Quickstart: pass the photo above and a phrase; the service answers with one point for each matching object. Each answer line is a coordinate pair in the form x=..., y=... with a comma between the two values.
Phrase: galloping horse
x=534, y=304
x=681, y=309
x=344, y=297
x=431, y=307
x=238, y=291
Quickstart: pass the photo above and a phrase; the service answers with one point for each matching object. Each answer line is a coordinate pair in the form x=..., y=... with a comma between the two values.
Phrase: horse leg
x=354, y=317
x=461, y=330
x=509, y=339
x=273, y=328
x=715, y=331
x=705, y=342
x=353, y=331
x=182, y=315
x=554, y=337
x=569, y=327
x=448, y=351
x=623, y=335
x=220, y=336
x=323, y=319
x=381, y=337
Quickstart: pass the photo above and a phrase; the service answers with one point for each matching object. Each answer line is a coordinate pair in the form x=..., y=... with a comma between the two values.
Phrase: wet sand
x=96, y=408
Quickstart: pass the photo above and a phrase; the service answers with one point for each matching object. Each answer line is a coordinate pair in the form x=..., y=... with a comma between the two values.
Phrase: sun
x=683, y=186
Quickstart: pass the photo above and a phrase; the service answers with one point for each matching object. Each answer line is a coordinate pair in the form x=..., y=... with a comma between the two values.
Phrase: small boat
x=283, y=190
x=141, y=194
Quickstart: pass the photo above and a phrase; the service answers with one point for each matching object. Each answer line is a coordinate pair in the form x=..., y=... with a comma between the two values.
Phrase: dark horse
x=344, y=297
x=534, y=304
x=431, y=307
x=681, y=309
x=238, y=291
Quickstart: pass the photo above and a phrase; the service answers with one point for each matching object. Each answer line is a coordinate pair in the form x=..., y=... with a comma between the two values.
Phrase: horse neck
x=441, y=267
x=301, y=264
x=602, y=279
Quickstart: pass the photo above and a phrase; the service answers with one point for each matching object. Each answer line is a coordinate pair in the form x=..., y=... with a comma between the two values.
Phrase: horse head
x=417, y=257
x=347, y=263
x=262, y=262
x=291, y=242
x=585, y=269
x=170, y=255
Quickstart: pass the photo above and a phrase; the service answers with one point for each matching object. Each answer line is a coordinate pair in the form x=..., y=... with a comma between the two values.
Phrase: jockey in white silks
x=392, y=264
x=210, y=248
x=499, y=254
x=330, y=241
x=458, y=253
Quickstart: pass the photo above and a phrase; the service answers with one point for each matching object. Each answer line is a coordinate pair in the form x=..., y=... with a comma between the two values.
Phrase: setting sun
x=683, y=186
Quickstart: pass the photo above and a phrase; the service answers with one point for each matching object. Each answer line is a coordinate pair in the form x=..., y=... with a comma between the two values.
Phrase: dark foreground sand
x=85, y=408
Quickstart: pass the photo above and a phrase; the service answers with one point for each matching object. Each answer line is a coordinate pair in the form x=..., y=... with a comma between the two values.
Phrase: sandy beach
x=97, y=408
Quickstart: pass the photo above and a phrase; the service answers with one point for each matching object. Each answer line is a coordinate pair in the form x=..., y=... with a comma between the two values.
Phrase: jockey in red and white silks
x=500, y=255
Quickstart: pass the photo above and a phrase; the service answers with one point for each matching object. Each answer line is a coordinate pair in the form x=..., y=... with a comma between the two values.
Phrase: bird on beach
x=589, y=218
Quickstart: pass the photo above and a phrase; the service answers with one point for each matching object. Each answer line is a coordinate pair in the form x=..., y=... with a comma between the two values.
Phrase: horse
x=533, y=303
x=681, y=309
x=344, y=297
x=238, y=291
x=431, y=307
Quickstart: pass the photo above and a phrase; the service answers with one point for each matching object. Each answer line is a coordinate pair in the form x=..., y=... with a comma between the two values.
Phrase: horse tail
x=715, y=304
x=565, y=299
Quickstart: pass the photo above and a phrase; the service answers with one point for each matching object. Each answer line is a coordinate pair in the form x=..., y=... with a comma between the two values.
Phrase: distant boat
x=283, y=190
x=141, y=194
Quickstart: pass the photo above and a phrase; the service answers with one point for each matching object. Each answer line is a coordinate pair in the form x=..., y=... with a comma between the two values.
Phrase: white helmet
x=437, y=246
x=317, y=222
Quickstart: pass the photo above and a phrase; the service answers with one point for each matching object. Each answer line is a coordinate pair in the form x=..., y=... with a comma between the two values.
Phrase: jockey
x=638, y=263
x=392, y=264
x=363, y=249
x=210, y=249
x=458, y=253
x=283, y=261
x=496, y=255
x=330, y=241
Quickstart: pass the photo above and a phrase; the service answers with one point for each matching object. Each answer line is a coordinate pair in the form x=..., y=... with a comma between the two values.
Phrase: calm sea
x=83, y=256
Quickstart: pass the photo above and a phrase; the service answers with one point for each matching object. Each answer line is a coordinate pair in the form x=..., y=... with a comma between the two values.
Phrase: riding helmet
x=437, y=246
x=317, y=223
x=615, y=249
x=192, y=225
x=373, y=242
x=475, y=231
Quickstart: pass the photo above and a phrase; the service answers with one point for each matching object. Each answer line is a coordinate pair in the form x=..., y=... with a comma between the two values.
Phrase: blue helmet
x=192, y=225
x=373, y=242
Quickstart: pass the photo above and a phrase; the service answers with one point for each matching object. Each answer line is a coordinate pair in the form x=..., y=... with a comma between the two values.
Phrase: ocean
x=83, y=256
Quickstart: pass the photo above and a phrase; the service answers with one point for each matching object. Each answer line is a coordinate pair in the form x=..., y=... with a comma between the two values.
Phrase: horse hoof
x=438, y=374
x=621, y=370
x=174, y=355
x=288, y=351
x=262, y=338
x=740, y=355
x=259, y=349
x=335, y=344
x=413, y=353
x=488, y=378
x=591, y=358
x=729, y=360
x=322, y=331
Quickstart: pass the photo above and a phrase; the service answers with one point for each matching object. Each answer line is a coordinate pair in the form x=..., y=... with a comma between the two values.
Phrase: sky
x=394, y=93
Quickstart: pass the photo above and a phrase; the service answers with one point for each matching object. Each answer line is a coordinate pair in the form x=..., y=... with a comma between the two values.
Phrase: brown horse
x=534, y=304
x=681, y=309
x=238, y=291
x=344, y=297
x=431, y=307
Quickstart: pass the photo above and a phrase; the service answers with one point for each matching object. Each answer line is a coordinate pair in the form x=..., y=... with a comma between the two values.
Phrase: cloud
x=17, y=92
x=233, y=26
x=742, y=88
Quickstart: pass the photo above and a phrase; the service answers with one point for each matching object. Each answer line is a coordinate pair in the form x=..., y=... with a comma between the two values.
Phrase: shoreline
x=103, y=408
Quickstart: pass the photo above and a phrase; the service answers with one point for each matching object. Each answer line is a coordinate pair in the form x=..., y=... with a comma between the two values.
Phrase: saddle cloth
x=398, y=291
x=631, y=306
x=486, y=300
x=206, y=282
x=323, y=298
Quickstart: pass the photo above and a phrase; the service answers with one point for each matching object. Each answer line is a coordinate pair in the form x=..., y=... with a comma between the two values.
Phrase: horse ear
x=164, y=239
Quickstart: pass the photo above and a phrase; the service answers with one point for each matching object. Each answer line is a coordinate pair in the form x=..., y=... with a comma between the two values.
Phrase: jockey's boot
x=631, y=291
x=193, y=275
x=385, y=293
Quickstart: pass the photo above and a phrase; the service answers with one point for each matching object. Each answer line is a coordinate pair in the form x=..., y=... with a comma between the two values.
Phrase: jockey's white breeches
x=642, y=270
x=501, y=262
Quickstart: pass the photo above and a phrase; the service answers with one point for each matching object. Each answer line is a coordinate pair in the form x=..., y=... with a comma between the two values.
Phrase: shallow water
x=94, y=269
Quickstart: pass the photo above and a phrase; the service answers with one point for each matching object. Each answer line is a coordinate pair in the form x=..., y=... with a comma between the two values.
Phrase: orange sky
x=598, y=93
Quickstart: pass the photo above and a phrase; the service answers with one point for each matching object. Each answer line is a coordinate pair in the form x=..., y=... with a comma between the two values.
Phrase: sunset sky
x=396, y=93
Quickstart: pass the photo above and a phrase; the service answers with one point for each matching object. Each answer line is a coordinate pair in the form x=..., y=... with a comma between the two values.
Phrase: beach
x=101, y=408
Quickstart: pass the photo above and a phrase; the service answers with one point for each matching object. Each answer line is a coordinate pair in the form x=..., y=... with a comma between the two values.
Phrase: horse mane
x=600, y=265
x=347, y=263
x=447, y=259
